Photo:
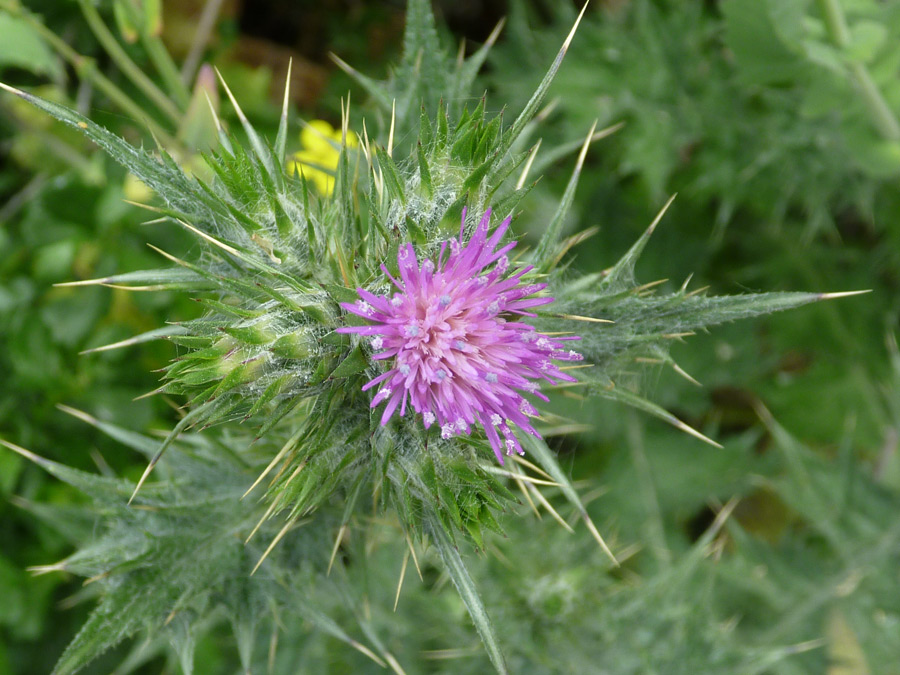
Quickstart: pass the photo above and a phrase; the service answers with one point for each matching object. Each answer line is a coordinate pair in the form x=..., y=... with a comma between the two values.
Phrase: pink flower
x=459, y=354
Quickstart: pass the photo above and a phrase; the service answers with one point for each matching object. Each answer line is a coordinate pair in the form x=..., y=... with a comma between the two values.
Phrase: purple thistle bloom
x=460, y=357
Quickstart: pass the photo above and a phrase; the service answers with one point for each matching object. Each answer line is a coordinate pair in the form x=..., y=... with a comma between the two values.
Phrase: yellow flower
x=318, y=157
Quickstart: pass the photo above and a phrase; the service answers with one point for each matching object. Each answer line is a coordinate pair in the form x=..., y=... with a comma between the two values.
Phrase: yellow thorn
x=842, y=294
x=394, y=664
x=596, y=534
x=696, y=291
x=576, y=317
x=337, y=545
x=678, y=369
x=212, y=110
x=96, y=577
x=661, y=213
x=524, y=175
x=550, y=509
x=584, y=148
x=234, y=103
x=492, y=38
x=693, y=432
x=390, y=145
x=281, y=453
x=83, y=416
x=368, y=652
x=522, y=476
x=38, y=570
x=412, y=550
x=148, y=394
x=296, y=473
x=284, y=530
x=525, y=493
x=83, y=282
x=402, y=576
x=287, y=89
x=645, y=287
x=531, y=465
x=571, y=34
x=261, y=521
x=144, y=477
x=13, y=90
x=211, y=240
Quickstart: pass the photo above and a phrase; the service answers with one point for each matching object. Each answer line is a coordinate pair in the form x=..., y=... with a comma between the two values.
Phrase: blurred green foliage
x=773, y=166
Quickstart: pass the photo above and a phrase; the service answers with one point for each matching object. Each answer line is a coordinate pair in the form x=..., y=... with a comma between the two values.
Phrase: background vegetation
x=775, y=121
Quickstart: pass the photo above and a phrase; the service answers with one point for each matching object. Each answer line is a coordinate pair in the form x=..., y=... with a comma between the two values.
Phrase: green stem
x=835, y=22
x=167, y=69
x=882, y=116
x=204, y=30
x=127, y=66
x=86, y=69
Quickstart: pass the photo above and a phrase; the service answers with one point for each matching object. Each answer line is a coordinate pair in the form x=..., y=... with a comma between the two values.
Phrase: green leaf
x=143, y=444
x=468, y=592
x=23, y=47
x=391, y=176
x=537, y=98
x=546, y=248
x=356, y=362
x=545, y=457
x=102, y=488
x=751, y=34
x=866, y=39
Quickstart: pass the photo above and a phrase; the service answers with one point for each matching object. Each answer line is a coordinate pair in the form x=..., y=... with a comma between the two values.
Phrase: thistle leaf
x=469, y=594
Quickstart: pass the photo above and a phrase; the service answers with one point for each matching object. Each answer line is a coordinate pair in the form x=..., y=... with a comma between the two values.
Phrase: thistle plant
x=370, y=334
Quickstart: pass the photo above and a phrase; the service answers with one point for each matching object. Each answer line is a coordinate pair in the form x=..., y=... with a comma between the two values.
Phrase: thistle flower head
x=460, y=356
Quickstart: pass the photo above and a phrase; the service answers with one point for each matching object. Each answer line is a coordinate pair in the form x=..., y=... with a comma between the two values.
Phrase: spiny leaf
x=546, y=248
x=100, y=487
x=538, y=448
x=143, y=444
x=469, y=594
x=534, y=103
x=623, y=271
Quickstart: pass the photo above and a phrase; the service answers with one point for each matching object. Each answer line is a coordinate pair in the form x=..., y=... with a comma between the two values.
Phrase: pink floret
x=458, y=355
